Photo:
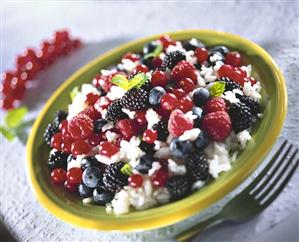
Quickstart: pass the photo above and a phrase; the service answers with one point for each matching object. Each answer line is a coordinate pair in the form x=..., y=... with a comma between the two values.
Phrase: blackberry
x=172, y=58
x=241, y=116
x=178, y=187
x=113, y=178
x=230, y=84
x=60, y=115
x=136, y=99
x=49, y=132
x=57, y=159
x=254, y=106
x=197, y=167
x=162, y=128
x=114, y=111
x=146, y=147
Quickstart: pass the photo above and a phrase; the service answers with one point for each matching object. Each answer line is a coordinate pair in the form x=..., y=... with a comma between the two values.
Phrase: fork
x=257, y=196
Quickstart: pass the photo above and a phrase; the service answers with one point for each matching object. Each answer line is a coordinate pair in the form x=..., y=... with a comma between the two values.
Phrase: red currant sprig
x=14, y=83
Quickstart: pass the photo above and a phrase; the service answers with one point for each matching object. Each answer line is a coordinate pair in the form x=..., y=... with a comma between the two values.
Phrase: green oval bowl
x=70, y=208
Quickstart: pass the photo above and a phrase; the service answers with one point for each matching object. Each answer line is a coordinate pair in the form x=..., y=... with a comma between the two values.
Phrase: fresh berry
x=92, y=177
x=202, y=54
x=183, y=69
x=102, y=196
x=162, y=128
x=225, y=71
x=241, y=116
x=221, y=49
x=230, y=84
x=88, y=161
x=150, y=136
x=91, y=112
x=254, y=105
x=60, y=116
x=135, y=180
x=58, y=176
x=192, y=44
x=131, y=56
x=84, y=191
x=159, y=78
x=180, y=149
x=140, y=117
x=74, y=175
x=92, y=98
x=108, y=149
x=145, y=164
x=166, y=41
x=80, y=127
x=56, y=141
x=135, y=99
x=155, y=95
x=178, y=123
x=169, y=101
x=199, y=114
x=127, y=127
x=178, y=92
x=187, y=84
x=66, y=145
x=172, y=58
x=99, y=124
x=115, y=112
x=95, y=139
x=233, y=58
x=57, y=159
x=200, y=97
x=113, y=178
x=80, y=147
x=217, y=125
x=159, y=179
x=140, y=69
x=185, y=104
x=201, y=141
x=49, y=132
x=197, y=167
x=71, y=187
x=147, y=148
x=215, y=104
x=178, y=187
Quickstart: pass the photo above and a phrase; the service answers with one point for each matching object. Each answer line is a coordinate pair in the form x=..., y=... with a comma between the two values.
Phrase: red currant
x=185, y=104
x=91, y=98
x=7, y=103
x=71, y=187
x=141, y=68
x=160, y=178
x=66, y=146
x=140, y=117
x=187, y=84
x=166, y=41
x=107, y=148
x=95, y=139
x=131, y=56
x=233, y=58
x=74, y=175
x=178, y=92
x=150, y=136
x=63, y=126
x=202, y=54
x=169, y=101
x=225, y=71
x=135, y=180
x=80, y=147
x=159, y=78
x=157, y=62
x=56, y=141
x=58, y=176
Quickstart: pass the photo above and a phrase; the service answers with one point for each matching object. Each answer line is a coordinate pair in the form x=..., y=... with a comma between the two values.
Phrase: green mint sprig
x=217, y=89
x=122, y=81
x=74, y=92
x=127, y=169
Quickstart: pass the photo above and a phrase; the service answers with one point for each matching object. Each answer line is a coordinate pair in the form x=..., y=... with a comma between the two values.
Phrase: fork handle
x=191, y=233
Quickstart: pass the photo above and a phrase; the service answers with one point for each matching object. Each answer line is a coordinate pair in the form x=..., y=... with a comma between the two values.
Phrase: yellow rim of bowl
x=191, y=207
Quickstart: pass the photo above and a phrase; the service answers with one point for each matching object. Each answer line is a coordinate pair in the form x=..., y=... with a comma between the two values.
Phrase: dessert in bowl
x=158, y=127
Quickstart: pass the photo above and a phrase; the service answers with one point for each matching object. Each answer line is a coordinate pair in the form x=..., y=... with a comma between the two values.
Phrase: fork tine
x=282, y=185
x=267, y=168
x=263, y=194
x=266, y=179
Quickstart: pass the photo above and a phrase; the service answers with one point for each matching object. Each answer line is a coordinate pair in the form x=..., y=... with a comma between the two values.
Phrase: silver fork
x=258, y=195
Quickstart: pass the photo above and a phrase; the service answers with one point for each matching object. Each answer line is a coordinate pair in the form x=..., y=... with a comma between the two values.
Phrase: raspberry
x=91, y=112
x=127, y=127
x=178, y=123
x=217, y=125
x=80, y=127
x=215, y=104
x=183, y=69
x=108, y=149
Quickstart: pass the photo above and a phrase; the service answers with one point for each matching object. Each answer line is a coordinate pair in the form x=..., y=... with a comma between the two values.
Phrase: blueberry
x=99, y=124
x=84, y=191
x=145, y=164
x=192, y=44
x=180, y=149
x=199, y=114
x=221, y=49
x=200, y=97
x=155, y=95
x=89, y=161
x=150, y=47
x=101, y=196
x=92, y=176
x=202, y=140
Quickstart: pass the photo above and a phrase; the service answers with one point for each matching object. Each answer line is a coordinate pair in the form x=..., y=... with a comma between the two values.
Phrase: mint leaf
x=121, y=81
x=217, y=89
x=8, y=134
x=127, y=169
x=74, y=92
x=137, y=81
x=156, y=52
x=14, y=117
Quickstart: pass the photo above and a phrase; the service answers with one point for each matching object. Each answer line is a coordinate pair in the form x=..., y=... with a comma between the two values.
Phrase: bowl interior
x=70, y=208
